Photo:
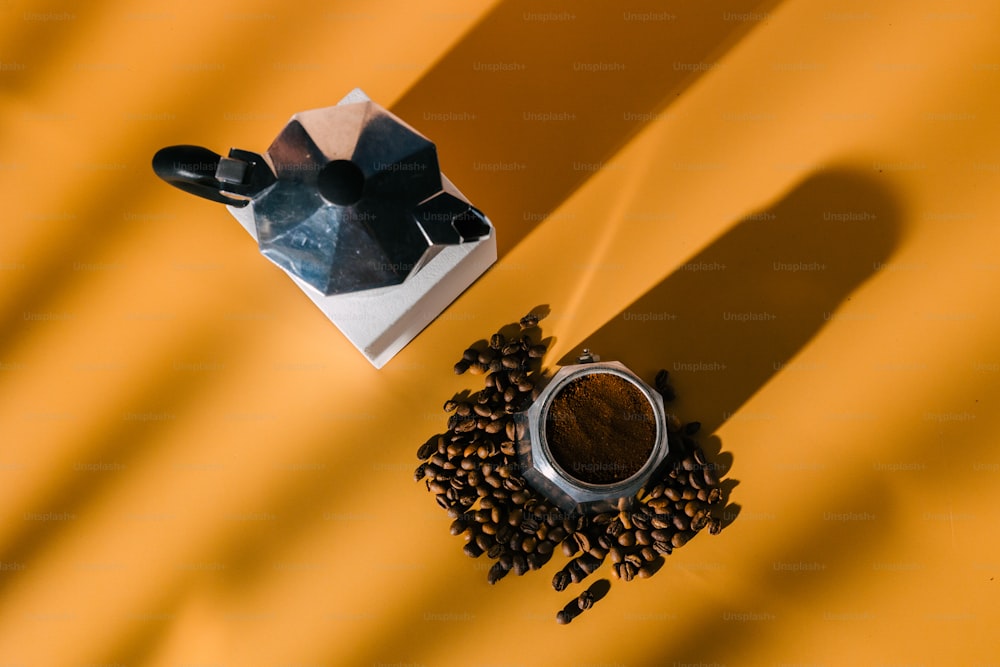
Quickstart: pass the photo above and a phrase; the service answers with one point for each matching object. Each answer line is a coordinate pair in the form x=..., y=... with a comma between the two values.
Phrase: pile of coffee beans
x=474, y=473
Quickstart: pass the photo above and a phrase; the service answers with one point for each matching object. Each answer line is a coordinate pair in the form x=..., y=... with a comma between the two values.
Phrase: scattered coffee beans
x=473, y=471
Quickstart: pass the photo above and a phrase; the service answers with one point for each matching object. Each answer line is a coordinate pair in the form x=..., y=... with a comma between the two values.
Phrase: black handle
x=209, y=175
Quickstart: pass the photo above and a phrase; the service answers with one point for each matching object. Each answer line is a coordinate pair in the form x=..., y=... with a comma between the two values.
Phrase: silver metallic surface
x=359, y=201
x=559, y=486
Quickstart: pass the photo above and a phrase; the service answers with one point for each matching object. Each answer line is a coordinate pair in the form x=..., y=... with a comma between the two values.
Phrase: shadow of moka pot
x=351, y=203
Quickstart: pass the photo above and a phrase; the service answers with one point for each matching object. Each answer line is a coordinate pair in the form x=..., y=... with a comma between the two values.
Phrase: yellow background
x=196, y=468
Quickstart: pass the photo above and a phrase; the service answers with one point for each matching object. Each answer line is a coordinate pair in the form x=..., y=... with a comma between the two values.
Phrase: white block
x=382, y=321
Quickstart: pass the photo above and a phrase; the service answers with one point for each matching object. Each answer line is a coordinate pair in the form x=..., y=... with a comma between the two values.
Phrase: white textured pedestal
x=381, y=322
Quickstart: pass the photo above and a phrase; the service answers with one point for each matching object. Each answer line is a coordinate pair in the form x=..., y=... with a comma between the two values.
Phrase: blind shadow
x=528, y=104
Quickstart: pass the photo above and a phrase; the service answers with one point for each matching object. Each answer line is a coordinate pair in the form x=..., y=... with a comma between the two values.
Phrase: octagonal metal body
x=562, y=488
x=359, y=201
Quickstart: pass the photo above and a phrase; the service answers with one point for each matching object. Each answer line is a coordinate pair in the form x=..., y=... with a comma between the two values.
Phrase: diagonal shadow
x=829, y=550
x=40, y=44
x=738, y=311
x=538, y=94
x=123, y=439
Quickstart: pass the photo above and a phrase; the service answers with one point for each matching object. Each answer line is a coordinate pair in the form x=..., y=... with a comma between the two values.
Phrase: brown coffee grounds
x=600, y=428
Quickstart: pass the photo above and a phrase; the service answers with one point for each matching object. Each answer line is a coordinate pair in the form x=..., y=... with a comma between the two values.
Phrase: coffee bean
x=513, y=484
x=642, y=538
x=648, y=554
x=529, y=321
x=496, y=573
x=714, y=526
x=711, y=479
x=681, y=522
x=588, y=563
x=626, y=538
x=662, y=535
x=673, y=423
x=427, y=449
x=662, y=379
x=536, y=351
x=461, y=367
x=520, y=564
x=472, y=550
x=599, y=552
x=561, y=580
x=497, y=341
x=665, y=548
x=497, y=515
x=511, y=361
x=680, y=539
x=494, y=427
x=662, y=505
x=697, y=480
x=585, y=600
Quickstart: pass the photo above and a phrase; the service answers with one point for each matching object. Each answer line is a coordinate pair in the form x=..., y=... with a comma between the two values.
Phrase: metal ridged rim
x=635, y=381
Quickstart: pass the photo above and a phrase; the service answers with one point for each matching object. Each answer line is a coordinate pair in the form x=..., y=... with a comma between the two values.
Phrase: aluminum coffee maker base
x=380, y=322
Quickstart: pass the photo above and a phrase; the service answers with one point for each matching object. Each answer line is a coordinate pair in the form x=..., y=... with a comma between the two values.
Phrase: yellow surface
x=792, y=205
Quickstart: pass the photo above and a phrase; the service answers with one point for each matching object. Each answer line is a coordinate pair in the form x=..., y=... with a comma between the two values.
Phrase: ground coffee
x=600, y=428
